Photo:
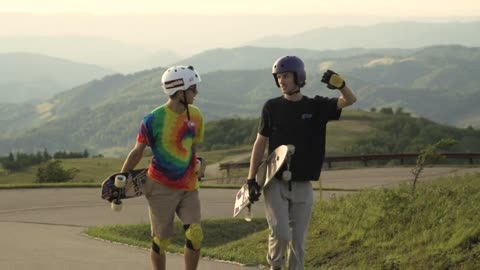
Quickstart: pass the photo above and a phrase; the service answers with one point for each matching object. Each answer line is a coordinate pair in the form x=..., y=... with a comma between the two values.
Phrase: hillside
x=440, y=83
x=255, y=58
x=28, y=77
x=358, y=132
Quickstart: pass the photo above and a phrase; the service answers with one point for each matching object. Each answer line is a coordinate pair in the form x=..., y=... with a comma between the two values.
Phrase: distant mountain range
x=136, y=42
x=27, y=77
x=105, y=52
x=440, y=83
x=385, y=35
x=249, y=58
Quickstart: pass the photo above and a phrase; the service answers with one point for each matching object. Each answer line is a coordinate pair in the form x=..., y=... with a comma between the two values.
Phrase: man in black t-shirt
x=301, y=121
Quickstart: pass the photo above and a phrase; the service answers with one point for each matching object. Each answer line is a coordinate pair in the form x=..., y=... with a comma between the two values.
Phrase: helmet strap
x=293, y=93
x=185, y=103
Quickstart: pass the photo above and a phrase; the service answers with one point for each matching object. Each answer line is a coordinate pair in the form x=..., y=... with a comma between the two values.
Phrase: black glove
x=333, y=80
x=253, y=190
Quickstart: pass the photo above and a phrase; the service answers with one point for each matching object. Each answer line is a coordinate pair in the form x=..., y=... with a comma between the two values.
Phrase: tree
x=53, y=172
x=46, y=155
x=10, y=164
x=387, y=111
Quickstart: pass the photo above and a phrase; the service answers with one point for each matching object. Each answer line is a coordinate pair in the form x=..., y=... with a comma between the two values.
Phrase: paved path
x=43, y=228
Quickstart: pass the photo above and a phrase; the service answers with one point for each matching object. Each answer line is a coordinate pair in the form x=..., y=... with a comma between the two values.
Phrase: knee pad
x=160, y=246
x=193, y=236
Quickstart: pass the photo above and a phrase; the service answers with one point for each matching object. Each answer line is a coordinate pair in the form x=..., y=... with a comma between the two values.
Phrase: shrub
x=53, y=172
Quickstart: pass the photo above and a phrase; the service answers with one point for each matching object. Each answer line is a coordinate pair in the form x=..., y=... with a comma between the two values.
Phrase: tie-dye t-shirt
x=172, y=139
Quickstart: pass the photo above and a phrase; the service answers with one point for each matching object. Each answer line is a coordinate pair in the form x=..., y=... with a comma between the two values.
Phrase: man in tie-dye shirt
x=172, y=131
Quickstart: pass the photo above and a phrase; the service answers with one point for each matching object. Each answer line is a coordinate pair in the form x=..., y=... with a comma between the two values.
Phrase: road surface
x=43, y=228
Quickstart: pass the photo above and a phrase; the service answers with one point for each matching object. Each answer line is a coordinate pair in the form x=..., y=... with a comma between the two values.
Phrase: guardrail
x=329, y=160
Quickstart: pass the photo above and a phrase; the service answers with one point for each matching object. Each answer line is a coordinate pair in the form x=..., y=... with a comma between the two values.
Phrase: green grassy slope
x=436, y=228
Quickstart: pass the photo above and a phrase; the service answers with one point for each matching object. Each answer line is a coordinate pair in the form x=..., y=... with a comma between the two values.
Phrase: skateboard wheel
x=287, y=175
x=120, y=181
x=248, y=216
x=117, y=206
x=291, y=149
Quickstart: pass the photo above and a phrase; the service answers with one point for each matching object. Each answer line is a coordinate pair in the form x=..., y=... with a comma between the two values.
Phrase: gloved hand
x=200, y=166
x=253, y=190
x=333, y=80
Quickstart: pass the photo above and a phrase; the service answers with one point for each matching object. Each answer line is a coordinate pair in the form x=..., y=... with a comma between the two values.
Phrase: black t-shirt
x=303, y=124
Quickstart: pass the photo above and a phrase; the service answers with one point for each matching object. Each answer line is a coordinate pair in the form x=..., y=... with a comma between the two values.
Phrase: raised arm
x=346, y=98
x=335, y=81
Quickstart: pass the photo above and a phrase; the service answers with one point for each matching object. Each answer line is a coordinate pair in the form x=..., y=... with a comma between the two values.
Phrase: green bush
x=53, y=172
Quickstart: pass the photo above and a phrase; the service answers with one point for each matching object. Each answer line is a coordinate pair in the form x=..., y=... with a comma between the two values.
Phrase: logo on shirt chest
x=306, y=116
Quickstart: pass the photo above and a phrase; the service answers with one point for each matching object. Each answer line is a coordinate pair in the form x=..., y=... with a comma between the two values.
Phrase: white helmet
x=179, y=78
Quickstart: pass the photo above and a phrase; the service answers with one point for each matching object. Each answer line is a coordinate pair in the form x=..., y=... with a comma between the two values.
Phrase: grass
x=341, y=133
x=218, y=235
x=90, y=170
x=435, y=228
x=352, y=124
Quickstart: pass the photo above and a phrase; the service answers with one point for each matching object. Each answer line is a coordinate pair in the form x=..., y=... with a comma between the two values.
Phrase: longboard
x=265, y=173
x=125, y=185
x=119, y=186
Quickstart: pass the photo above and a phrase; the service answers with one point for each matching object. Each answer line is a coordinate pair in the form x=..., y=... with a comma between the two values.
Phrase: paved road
x=43, y=228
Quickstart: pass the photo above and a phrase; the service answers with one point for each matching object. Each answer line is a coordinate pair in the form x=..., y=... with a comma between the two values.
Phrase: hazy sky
x=84, y=30
x=373, y=7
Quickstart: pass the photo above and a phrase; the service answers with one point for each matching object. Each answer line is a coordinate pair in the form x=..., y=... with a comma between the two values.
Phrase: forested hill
x=248, y=58
x=440, y=83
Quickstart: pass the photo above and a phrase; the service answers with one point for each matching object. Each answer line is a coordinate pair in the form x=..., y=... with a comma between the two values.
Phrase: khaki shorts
x=164, y=202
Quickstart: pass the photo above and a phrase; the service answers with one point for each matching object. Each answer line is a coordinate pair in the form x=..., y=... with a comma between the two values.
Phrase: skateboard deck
x=265, y=173
x=119, y=186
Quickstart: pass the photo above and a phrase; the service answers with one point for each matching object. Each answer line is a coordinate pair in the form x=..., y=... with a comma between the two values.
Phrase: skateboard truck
x=120, y=181
x=287, y=174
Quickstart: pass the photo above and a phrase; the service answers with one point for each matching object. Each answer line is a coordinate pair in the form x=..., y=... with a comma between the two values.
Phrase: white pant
x=288, y=213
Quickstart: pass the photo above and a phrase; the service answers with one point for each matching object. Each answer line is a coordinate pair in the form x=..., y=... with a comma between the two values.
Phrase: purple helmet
x=290, y=64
